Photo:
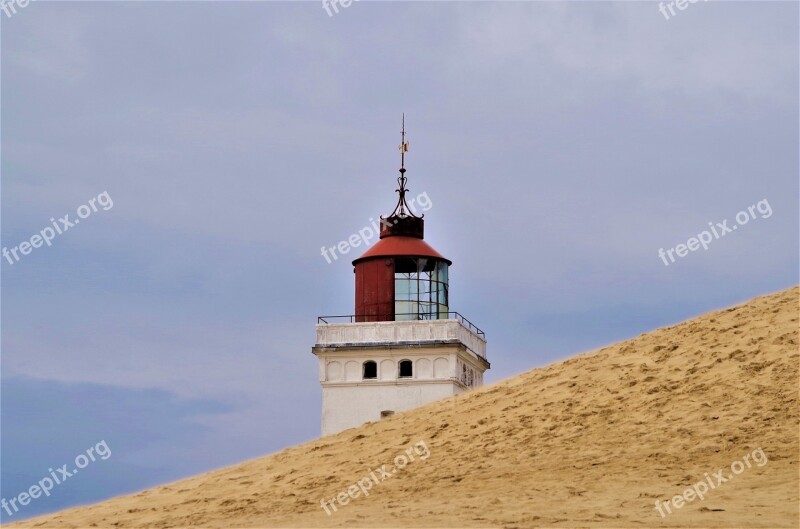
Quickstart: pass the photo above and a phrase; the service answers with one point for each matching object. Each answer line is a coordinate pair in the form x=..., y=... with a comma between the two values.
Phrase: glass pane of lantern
x=401, y=289
x=424, y=288
x=403, y=311
x=412, y=288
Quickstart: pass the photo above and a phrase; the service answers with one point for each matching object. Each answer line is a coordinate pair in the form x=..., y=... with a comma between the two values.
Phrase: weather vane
x=403, y=146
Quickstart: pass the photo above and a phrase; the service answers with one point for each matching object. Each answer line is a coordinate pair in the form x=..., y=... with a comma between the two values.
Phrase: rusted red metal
x=408, y=226
x=399, y=246
x=375, y=289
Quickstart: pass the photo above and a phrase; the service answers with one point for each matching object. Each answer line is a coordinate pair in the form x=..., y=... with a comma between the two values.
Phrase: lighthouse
x=403, y=347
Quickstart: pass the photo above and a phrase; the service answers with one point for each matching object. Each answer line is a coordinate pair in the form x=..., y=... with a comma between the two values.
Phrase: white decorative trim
x=418, y=331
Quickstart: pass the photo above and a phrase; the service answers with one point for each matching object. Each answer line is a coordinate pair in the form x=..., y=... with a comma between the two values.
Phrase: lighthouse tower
x=403, y=347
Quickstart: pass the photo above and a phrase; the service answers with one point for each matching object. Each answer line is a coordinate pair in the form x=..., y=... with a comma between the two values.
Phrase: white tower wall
x=447, y=358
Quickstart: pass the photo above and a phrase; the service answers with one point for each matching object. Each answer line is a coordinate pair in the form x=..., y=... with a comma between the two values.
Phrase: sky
x=223, y=144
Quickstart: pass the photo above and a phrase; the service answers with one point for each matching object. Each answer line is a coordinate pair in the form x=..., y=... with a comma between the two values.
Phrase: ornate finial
x=402, y=209
x=402, y=221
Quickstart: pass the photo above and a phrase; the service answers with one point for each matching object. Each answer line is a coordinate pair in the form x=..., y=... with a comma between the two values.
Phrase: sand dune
x=592, y=441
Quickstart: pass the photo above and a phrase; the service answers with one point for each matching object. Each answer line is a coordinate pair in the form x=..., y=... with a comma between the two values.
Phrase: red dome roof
x=401, y=246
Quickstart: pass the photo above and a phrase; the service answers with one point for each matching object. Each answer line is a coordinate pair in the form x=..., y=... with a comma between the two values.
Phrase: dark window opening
x=370, y=369
x=406, y=370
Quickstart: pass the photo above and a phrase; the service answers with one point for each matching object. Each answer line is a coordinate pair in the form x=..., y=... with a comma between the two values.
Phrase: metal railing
x=372, y=318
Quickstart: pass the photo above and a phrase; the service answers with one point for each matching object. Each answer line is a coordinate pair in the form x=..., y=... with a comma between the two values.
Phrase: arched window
x=370, y=370
x=406, y=369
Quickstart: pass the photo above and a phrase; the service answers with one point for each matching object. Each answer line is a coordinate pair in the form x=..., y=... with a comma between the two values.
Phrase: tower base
x=415, y=362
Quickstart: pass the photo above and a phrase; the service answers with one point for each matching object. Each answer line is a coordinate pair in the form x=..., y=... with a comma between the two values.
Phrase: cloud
x=712, y=50
x=152, y=436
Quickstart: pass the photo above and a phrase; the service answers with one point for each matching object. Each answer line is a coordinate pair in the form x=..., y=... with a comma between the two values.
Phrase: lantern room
x=402, y=277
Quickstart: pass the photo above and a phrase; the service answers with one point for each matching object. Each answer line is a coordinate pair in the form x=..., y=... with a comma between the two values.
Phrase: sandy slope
x=592, y=441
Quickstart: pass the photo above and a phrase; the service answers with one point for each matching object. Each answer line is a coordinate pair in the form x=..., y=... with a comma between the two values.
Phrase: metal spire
x=402, y=208
x=403, y=146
